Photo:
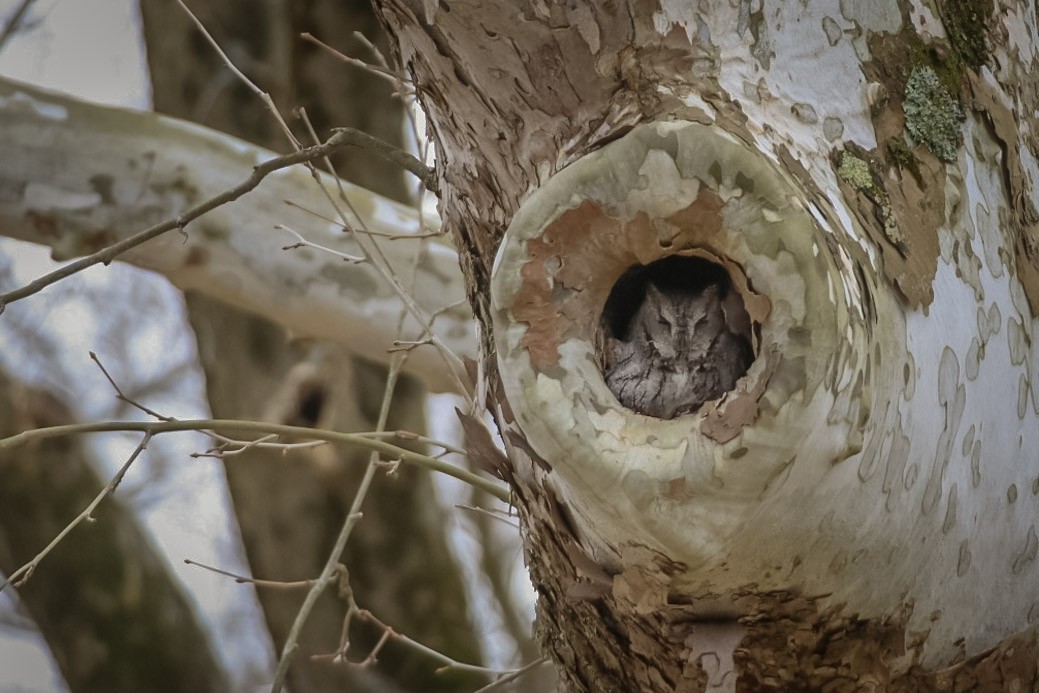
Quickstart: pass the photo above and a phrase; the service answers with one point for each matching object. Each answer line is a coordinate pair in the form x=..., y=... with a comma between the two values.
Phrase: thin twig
x=242, y=579
x=264, y=96
x=14, y=22
x=494, y=514
x=222, y=452
x=376, y=53
x=512, y=675
x=408, y=345
x=304, y=243
x=450, y=663
x=362, y=441
x=110, y=253
x=367, y=232
x=394, y=156
x=22, y=575
x=266, y=442
x=123, y=398
x=376, y=70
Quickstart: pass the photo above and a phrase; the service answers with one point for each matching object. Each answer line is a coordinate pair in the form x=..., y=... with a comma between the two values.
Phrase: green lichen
x=855, y=172
x=899, y=154
x=966, y=23
x=933, y=116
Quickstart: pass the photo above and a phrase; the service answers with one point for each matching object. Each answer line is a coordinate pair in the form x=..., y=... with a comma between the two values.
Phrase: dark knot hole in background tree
x=675, y=335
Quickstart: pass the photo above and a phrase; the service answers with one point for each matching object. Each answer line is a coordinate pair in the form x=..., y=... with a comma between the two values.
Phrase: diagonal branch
x=22, y=574
x=111, y=252
x=79, y=177
x=392, y=154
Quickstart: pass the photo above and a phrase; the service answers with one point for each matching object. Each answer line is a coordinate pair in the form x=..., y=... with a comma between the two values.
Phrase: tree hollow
x=676, y=335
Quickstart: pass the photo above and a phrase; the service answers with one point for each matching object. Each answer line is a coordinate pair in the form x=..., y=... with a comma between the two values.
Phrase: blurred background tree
x=401, y=561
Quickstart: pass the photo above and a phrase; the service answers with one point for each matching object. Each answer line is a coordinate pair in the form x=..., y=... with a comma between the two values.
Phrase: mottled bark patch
x=676, y=335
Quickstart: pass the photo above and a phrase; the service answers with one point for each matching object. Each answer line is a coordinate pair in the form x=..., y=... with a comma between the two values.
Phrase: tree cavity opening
x=676, y=334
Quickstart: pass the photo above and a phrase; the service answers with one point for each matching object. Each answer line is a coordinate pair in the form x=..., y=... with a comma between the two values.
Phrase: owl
x=681, y=348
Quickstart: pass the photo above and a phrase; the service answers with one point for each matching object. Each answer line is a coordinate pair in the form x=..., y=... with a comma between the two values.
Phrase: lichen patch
x=933, y=116
x=901, y=214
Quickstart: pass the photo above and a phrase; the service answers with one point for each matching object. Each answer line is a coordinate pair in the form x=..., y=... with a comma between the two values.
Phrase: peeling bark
x=833, y=521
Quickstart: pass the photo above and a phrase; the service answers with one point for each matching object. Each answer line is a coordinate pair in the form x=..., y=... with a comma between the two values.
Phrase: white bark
x=881, y=450
x=77, y=177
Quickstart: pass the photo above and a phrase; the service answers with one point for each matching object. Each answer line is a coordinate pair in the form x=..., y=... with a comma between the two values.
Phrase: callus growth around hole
x=676, y=335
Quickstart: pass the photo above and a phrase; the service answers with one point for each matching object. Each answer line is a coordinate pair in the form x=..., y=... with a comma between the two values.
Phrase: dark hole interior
x=676, y=335
x=311, y=404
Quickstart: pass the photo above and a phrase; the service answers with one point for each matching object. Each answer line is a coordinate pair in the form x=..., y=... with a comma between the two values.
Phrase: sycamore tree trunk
x=795, y=446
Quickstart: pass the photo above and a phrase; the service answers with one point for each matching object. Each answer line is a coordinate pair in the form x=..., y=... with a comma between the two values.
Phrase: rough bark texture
x=516, y=93
x=290, y=508
x=104, y=600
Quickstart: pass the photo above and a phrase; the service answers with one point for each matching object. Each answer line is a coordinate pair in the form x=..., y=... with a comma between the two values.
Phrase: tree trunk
x=290, y=508
x=847, y=197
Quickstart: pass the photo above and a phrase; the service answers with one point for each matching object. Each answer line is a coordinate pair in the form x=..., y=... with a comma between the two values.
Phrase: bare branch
x=22, y=575
x=242, y=579
x=357, y=440
x=123, y=398
x=264, y=96
x=377, y=70
x=511, y=676
x=449, y=663
x=110, y=253
x=368, y=232
x=393, y=155
x=302, y=242
x=14, y=22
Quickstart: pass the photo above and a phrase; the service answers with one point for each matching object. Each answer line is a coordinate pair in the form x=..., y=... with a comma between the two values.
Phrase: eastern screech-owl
x=680, y=349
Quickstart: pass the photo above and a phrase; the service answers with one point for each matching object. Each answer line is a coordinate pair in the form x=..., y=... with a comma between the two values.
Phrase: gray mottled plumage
x=680, y=350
